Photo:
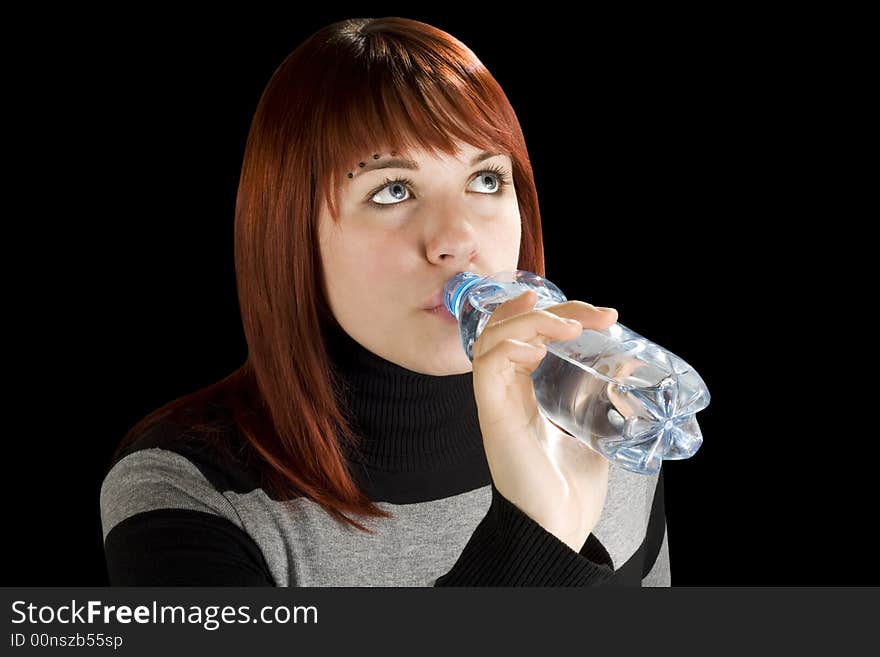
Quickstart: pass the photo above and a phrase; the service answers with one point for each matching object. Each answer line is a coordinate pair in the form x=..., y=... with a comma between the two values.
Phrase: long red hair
x=349, y=88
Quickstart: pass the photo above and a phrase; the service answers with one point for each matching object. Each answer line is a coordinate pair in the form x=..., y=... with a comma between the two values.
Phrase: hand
x=554, y=479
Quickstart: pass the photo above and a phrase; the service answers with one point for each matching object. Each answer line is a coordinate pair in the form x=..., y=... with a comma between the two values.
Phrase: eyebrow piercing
x=362, y=164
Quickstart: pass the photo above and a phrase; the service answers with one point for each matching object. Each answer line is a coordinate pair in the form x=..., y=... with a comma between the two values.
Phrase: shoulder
x=178, y=465
x=208, y=438
x=165, y=514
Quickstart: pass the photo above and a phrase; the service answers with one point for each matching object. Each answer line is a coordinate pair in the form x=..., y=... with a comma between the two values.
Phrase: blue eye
x=399, y=187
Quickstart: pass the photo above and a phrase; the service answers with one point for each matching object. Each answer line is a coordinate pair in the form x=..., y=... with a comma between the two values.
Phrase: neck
x=409, y=421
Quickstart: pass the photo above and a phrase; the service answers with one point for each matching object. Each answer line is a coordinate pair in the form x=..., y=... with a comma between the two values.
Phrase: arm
x=508, y=548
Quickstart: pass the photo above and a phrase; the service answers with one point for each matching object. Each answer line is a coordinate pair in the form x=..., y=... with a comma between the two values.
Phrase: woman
x=358, y=445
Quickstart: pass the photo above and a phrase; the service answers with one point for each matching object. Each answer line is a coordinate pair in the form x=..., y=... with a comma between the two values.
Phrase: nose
x=451, y=237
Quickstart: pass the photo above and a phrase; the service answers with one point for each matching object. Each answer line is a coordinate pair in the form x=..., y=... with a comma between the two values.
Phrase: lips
x=433, y=302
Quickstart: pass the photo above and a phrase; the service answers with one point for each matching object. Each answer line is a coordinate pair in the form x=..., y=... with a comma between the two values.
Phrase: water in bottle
x=621, y=394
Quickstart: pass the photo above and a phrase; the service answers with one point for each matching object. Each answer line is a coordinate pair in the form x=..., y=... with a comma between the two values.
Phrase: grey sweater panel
x=660, y=574
x=304, y=546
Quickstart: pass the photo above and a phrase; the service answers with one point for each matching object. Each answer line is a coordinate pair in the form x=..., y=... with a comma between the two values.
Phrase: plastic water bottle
x=619, y=393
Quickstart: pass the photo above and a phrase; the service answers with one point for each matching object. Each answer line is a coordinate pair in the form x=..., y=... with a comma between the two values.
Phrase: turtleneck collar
x=410, y=422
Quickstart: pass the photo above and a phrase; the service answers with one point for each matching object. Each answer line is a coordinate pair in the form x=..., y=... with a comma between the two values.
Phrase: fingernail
x=603, y=308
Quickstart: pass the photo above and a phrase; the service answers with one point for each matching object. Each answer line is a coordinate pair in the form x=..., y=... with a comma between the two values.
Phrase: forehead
x=464, y=152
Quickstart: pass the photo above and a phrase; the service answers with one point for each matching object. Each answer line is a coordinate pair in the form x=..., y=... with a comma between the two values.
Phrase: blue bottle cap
x=456, y=288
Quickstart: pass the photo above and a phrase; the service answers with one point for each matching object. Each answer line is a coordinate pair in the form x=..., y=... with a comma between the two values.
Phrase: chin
x=448, y=371
x=443, y=361
x=453, y=362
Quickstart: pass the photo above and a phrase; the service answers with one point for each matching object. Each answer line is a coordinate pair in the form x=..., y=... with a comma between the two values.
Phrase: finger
x=626, y=368
x=498, y=369
x=535, y=327
x=523, y=302
x=590, y=317
x=497, y=361
x=623, y=402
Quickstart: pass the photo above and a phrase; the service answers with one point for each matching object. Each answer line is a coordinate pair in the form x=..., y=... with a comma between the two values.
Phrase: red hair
x=350, y=88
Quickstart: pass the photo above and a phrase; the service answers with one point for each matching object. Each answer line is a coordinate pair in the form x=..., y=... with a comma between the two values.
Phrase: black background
x=667, y=153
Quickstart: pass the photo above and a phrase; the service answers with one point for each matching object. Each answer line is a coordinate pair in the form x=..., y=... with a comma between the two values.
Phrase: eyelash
x=501, y=173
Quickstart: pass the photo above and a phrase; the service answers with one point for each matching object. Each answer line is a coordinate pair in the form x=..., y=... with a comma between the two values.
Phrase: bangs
x=406, y=102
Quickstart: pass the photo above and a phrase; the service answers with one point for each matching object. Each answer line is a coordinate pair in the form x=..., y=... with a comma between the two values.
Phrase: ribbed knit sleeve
x=508, y=548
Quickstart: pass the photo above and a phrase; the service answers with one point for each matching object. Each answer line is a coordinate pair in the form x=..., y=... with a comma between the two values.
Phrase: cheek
x=364, y=265
x=507, y=234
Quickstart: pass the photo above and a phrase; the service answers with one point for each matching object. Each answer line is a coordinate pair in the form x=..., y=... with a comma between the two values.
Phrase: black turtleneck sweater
x=175, y=513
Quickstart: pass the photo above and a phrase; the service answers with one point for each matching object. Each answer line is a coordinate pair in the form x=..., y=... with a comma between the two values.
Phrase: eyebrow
x=398, y=163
